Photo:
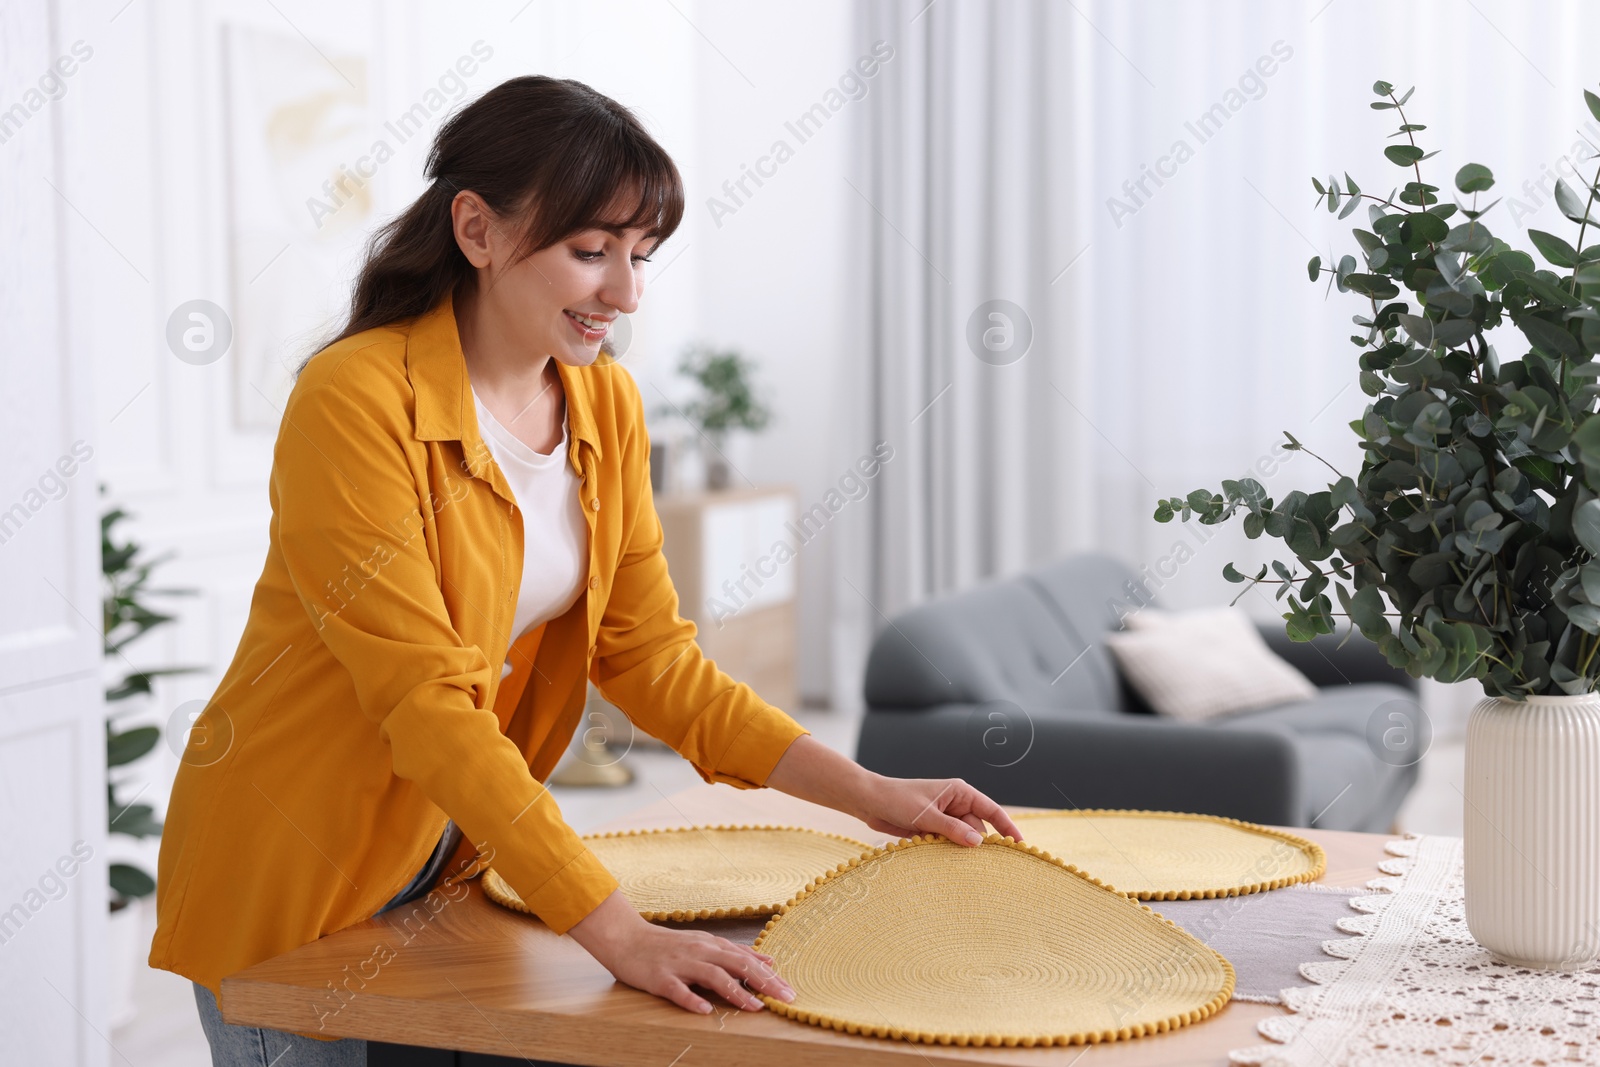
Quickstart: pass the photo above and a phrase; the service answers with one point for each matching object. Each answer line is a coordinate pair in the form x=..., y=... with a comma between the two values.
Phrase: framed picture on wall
x=298, y=203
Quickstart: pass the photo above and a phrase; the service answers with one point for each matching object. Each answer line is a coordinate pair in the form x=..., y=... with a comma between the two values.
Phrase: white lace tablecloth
x=1414, y=987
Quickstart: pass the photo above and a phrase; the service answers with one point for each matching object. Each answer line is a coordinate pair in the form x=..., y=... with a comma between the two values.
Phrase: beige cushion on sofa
x=1199, y=664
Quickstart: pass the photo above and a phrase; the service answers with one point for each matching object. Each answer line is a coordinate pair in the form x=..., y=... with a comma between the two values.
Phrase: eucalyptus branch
x=1404, y=126
x=1324, y=462
x=1572, y=286
x=1443, y=486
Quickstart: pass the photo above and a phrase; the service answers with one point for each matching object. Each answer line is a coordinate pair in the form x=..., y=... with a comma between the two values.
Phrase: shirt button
x=594, y=583
x=593, y=649
x=595, y=503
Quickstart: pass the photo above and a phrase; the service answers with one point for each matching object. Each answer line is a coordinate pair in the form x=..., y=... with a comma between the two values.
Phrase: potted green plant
x=126, y=617
x=724, y=402
x=1467, y=546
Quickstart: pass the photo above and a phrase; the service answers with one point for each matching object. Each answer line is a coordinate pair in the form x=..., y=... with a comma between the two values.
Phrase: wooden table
x=495, y=983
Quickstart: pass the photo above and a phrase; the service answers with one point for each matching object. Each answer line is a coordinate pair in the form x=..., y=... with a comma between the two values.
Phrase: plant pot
x=123, y=933
x=1532, y=840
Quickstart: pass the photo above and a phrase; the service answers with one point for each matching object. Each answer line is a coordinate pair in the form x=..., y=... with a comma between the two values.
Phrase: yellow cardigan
x=365, y=703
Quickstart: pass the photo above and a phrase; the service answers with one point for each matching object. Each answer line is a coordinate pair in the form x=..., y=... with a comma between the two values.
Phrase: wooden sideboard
x=732, y=585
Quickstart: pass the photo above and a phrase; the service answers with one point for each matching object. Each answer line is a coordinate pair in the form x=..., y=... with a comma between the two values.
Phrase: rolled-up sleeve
x=649, y=665
x=343, y=487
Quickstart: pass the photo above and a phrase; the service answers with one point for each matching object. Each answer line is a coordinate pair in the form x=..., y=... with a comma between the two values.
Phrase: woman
x=462, y=536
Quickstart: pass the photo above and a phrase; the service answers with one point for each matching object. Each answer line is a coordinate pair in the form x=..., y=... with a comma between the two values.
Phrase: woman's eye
x=589, y=257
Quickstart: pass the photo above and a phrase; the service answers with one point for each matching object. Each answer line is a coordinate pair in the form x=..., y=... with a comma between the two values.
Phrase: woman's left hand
x=949, y=806
x=812, y=771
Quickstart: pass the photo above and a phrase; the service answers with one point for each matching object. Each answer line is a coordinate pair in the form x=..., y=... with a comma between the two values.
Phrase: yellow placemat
x=707, y=872
x=1163, y=855
x=993, y=944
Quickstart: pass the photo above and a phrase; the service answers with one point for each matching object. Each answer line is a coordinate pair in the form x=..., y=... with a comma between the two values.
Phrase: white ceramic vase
x=1532, y=841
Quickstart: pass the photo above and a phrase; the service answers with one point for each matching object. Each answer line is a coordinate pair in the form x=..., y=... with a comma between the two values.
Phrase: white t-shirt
x=555, y=535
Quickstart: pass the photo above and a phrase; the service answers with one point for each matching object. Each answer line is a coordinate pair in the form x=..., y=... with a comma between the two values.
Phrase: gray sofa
x=1007, y=686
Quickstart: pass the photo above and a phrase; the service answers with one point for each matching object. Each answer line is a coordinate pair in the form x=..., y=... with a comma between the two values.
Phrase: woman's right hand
x=664, y=961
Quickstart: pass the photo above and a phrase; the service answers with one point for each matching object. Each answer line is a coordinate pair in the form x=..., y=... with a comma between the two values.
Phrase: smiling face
x=560, y=301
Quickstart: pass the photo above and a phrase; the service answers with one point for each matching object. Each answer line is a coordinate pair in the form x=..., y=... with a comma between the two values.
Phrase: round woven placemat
x=992, y=944
x=1164, y=855
x=707, y=872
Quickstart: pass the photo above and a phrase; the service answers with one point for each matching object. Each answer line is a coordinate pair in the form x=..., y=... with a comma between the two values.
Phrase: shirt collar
x=444, y=411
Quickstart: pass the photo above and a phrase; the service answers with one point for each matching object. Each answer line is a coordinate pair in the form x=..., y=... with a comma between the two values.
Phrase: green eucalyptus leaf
x=1374, y=285
x=1432, y=568
x=1474, y=178
x=1403, y=155
x=1589, y=575
x=1548, y=337
x=1470, y=237
x=1419, y=328
x=1366, y=612
x=1553, y=248
x=1585, y=617
x=1586, y=525
x=1452, y=333
x=1570, y=204
x=1423, y=228
x=1254, y=494
x=1388, y=225
x=1545, y=291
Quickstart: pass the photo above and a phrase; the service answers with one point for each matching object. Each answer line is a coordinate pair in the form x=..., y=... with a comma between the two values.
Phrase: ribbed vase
x=1532, y=842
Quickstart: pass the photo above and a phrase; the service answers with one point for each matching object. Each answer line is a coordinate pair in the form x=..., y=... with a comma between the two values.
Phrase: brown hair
x=550, y=152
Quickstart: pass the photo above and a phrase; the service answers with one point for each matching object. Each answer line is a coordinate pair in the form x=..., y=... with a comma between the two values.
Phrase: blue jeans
x=260, y=1046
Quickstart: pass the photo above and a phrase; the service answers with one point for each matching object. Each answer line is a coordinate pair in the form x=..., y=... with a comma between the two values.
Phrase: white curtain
x=966, y=248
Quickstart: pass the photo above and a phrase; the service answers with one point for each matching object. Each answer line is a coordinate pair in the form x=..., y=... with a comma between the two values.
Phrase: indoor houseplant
x=1468, y=544
x=125, y=617
x=724, y=402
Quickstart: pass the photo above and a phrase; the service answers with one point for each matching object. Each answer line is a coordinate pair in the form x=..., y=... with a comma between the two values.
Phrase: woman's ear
x=477, y=231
